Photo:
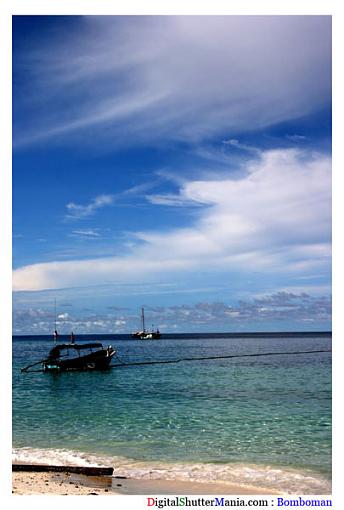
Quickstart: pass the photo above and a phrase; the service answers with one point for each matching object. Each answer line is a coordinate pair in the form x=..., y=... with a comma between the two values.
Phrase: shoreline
x=35, y=472
x=72, y=484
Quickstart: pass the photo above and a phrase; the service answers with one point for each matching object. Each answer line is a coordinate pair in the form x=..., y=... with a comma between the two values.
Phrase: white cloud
x=290, y=307
x=63, y=316
x=241, y=146
x=184, y=77
x=88, y=234
x=120, y=322
x=170, y=199
x=296, y=138
x=275, y=218
x=77, y=211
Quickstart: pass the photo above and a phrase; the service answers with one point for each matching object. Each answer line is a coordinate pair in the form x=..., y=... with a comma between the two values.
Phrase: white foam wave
x=271, y=478
x=52, y=457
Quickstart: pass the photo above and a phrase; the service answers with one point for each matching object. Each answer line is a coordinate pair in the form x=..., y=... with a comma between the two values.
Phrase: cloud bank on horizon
x=180, y=148
x=277, y=307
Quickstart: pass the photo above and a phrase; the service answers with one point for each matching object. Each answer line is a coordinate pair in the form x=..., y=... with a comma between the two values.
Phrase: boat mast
x=143, y=319
x=55, y=330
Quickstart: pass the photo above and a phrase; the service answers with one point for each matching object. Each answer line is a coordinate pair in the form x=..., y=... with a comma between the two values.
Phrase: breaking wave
x=279, y=480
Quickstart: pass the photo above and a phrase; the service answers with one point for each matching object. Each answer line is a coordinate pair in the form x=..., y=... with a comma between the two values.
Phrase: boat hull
x=99, y=360
x=146, y=336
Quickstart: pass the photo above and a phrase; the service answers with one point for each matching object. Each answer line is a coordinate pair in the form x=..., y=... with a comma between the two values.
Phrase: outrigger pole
x=123, y=364
x=25, y=369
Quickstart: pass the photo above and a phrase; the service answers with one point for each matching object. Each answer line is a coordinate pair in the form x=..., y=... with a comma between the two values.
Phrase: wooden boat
x=143, y=334
x=72, y=356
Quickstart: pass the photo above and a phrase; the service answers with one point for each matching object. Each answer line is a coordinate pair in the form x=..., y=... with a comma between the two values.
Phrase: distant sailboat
x=143, y=334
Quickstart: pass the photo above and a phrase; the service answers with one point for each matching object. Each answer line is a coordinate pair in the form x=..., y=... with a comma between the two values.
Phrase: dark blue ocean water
x=257, y=419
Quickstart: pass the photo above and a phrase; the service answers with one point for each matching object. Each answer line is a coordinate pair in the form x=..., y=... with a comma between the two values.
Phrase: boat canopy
x=55, y=351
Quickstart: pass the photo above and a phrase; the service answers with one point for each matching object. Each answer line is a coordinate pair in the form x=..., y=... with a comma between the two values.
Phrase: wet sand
x=178, y=487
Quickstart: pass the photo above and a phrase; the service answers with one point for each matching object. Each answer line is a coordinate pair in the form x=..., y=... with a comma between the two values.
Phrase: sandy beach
x=67, y=484
x=27, y=483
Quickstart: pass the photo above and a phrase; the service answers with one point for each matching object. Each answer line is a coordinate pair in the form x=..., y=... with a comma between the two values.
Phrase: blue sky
x=180, y=163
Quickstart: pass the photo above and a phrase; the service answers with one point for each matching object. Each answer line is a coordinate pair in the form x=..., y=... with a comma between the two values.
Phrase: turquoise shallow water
x=247, y=413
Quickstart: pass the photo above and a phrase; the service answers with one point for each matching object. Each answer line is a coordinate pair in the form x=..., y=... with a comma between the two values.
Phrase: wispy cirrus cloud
x=261, y=221
x=170, y=199
x=247, y=82
x=85, y=234
x=78, y=211
x=241, y=146
x=296, y=138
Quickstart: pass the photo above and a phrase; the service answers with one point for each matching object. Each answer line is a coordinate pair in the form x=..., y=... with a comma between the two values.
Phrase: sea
x=255, y=421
